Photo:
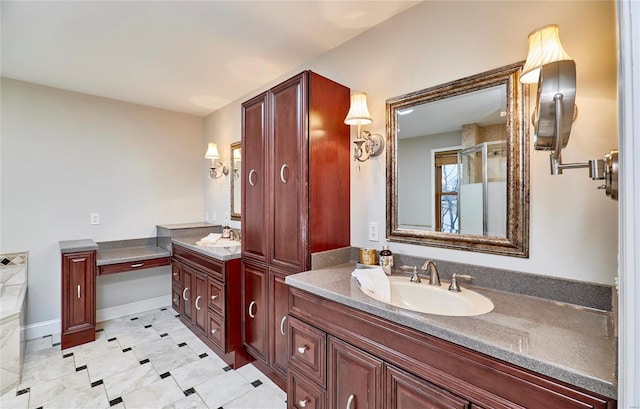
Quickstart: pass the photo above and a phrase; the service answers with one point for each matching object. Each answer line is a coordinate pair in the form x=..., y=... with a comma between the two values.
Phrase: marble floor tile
x=42, y=357
x=197, y=372
x=130, y=380
x=111, y=364
x=158, y=346
x=10, y=401
x=223, y=388
x=177, y=358
x=168, y=325
x=155, y=316
x=250, y=373
x=266, y=397
x=37, y=344
x=137, y=335
x=64, y=387
x=93, y=351
x=192, y=401
x=156, y=395
x=46, y=371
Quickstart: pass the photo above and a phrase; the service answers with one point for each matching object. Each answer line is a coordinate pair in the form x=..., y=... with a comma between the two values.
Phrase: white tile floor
x=149, y=360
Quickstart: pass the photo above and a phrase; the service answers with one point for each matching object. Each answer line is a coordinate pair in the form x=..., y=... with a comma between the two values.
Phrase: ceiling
x=192, y=57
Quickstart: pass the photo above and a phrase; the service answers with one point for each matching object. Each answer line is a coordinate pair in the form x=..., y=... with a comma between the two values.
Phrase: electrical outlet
x=373, y=231
x=95, y=218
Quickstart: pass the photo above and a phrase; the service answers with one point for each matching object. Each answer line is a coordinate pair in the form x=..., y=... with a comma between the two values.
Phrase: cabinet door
x=254, y=318
x=187, y=292
x=355, y=377
x=288, y=173
x=199, y=285
x=254, y=179
x=279, y=308
x=78, y=298
x=405, y=391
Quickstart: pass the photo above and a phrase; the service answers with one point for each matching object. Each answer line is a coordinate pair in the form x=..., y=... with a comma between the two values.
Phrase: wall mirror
x=236, y=171
x=458, y=165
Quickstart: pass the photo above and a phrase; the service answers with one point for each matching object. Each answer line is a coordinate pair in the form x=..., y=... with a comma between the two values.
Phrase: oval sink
x=422, y=297
x=219, y=243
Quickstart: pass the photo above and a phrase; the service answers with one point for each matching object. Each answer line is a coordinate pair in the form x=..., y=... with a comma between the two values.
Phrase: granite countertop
x=129, y=254
x=573, y=344
x=73, y=246
x=193, y=225
x=219, y=253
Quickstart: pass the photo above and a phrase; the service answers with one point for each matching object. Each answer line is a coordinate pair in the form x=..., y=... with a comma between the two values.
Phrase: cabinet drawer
x=303, y=393
x=176, y=298
x=215, y=296
x=134, y=265
x=216, y=330
x=308, y=350
x=176, y=273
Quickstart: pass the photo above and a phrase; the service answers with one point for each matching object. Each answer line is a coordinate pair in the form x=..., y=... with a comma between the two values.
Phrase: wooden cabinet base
x=78, y=337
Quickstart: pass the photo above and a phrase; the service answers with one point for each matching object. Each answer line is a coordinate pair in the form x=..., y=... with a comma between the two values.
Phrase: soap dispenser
x=386, y=260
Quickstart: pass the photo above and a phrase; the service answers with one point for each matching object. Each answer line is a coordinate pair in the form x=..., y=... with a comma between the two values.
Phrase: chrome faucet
x=234, y=235
x=430, y=267
x=415, y=277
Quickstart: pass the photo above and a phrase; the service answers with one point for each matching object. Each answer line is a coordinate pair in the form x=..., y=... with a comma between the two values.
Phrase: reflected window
x=447, y=176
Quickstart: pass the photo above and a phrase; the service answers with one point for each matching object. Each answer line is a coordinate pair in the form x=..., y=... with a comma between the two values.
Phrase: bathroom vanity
x=206, y=290
x=349, y=350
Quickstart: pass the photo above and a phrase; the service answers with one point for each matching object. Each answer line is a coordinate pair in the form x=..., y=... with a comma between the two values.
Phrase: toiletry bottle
x=386, y=260
x=226, y=231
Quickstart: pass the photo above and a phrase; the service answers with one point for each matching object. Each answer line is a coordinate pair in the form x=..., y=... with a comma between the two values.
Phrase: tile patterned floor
x=149, y=360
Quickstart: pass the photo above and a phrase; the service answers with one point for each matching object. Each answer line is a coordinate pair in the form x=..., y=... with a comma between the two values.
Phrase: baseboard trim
x=124, y=310
x=44, y=328
x=41, y=329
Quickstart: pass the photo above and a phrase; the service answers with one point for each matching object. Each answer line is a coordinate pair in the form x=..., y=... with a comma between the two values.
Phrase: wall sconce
x=218, y=169
x=367, y=144
x=549, y=65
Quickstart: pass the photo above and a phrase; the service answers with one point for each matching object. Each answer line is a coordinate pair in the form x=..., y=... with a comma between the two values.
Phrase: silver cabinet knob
x=303, y=349
x=303, y=403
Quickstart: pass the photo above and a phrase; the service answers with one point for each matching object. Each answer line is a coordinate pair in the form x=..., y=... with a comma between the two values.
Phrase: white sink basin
x=219, y=243
x=422, y=297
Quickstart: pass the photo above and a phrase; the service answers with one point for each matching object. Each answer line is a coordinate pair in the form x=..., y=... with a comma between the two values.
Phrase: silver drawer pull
x=213, y=331
x=282, y=169
x=303, y=349
x=198, y=299
x=136, y=265
x=175, y=274
x=213, y=297
x=303, y=403
x=350, y=401
x=253, y=304
x=184, y=293
x=78, y=291
x=252, y=173
x=175, y=300
x=282, y=331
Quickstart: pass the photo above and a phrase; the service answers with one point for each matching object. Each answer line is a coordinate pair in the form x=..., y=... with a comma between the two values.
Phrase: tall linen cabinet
x=295, y=199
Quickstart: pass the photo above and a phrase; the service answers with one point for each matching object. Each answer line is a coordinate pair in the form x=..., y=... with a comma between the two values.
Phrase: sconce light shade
x=212, y=151
x=218, y=169
x=544, y=48
x=358, y=112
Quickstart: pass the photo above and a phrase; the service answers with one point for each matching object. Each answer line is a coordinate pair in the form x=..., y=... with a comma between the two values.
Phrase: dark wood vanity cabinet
x=206, y=293
x=254, y=316
x=78, y=298
x=295, y=198
x=385, y=365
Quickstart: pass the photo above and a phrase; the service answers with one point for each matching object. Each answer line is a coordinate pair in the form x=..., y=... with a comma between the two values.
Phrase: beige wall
x=573, y=231
x=66, y=155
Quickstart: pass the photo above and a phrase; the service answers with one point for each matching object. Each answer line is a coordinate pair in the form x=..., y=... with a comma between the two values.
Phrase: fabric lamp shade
x=358, y=112
x=544, y=48
x=212, y=151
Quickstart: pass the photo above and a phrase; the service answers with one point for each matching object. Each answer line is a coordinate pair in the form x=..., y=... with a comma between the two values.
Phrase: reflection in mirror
x=458, y=165
x=236, y=171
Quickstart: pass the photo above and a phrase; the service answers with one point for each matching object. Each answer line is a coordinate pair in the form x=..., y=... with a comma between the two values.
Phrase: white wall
x=66, y=155
x=573, y=227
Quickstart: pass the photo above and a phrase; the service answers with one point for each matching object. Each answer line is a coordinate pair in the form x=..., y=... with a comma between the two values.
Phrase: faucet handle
x=415, y=278
x=453, y=287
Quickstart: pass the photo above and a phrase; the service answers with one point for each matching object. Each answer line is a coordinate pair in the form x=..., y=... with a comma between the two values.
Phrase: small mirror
x=236, y=171
x=458, y=165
